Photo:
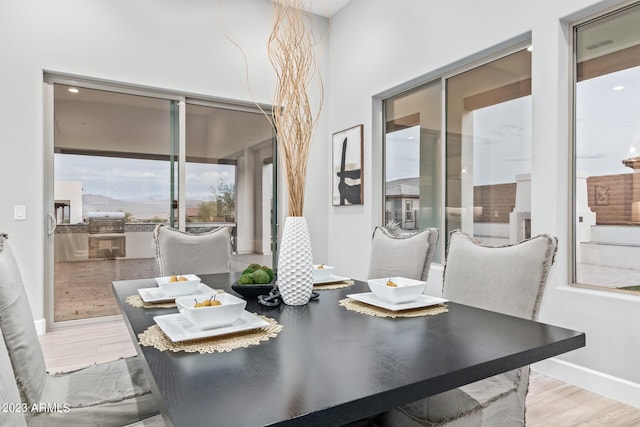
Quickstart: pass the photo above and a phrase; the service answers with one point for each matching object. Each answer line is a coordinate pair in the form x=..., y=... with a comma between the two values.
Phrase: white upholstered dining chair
x=178, y=252
x=155, y=421
x=507, y=279
x=107, y=394
x=11, y=413
x=402, y=255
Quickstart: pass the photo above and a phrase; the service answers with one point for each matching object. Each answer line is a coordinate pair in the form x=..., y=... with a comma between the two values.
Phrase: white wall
x=166, y=44
x=378, y=45
x=71, y=191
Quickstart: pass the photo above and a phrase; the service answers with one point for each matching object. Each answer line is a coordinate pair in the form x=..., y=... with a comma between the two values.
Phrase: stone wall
x=609, y=197
x=494, y=203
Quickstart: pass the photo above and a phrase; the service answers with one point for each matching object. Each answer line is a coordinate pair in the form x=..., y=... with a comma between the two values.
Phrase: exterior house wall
x=610, y=198
x=494, y=203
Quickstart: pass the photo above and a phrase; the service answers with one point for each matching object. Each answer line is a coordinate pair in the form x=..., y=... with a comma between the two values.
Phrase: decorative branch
x=291, y=53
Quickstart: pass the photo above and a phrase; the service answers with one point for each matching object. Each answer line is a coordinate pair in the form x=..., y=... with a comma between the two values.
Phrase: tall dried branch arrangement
x=291, y=52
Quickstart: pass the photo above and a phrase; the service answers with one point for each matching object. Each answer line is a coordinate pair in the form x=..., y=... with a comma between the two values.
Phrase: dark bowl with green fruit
x=255, y=280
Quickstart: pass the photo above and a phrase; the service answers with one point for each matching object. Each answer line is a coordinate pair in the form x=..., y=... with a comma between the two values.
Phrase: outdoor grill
x=106, y=235
x=106, y=222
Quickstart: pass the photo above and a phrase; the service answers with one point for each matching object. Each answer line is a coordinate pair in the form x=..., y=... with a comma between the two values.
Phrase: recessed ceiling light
x=411, y=138
x=73, y=90
x=619, y=87
x=632, y=149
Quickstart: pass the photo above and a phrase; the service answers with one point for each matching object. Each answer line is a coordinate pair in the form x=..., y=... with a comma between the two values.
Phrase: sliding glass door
x=123, y=161
x=225, y=152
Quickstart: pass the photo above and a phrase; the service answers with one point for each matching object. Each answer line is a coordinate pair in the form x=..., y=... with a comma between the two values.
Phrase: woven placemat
x=372, y=310
x=333, y=285
x=154, y=337
x=136, y=301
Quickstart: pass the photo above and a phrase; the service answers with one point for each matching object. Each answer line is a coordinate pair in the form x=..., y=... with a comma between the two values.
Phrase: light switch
x=20, y=212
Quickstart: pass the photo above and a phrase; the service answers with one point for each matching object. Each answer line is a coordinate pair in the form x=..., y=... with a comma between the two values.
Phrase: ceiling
x=100, y=122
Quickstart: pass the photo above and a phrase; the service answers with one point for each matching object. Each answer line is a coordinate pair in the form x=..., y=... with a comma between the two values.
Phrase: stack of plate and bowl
x=202, y=311
x=397, y=293
x=178, y=285
x=211, y=311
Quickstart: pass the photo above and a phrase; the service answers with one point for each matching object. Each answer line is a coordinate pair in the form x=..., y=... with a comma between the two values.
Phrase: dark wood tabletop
x=330, y=366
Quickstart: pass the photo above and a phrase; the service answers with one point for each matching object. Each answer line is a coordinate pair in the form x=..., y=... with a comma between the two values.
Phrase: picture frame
x=347, y=166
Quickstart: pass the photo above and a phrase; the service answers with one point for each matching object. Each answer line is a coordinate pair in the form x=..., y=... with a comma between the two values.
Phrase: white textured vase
x=295, y=262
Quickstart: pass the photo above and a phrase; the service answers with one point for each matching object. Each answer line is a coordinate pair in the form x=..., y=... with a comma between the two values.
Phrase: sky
x=135, y=179
x=501, y=145
x=600, y=101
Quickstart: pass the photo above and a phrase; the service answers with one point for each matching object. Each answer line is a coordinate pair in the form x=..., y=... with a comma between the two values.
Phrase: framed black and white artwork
x=347, y=166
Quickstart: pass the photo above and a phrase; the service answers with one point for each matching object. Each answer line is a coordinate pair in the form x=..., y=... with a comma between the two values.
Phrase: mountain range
x=139, y=208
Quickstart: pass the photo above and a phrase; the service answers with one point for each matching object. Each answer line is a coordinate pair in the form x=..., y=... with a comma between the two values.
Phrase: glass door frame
x=178, y=134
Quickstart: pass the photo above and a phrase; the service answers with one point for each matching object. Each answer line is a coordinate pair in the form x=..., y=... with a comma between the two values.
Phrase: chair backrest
x=402, y=255
x=508, y=279
x=16, y=323
x=12, y=413
x=182, y=253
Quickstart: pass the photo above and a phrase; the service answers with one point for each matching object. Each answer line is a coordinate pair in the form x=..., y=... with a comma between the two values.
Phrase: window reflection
x=489, y=150
x=607, y=139
x=413, y=167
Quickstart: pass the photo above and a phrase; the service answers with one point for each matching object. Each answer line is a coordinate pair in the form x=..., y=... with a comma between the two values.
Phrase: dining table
x=330, y=366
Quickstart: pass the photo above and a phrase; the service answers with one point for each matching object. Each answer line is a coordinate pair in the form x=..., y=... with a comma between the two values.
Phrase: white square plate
x=178, y=329
x=422, y=301
x=157, y=295
x=331, y=279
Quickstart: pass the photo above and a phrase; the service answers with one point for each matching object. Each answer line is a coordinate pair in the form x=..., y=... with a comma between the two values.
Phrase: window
x=606, y=157
x=225, y=152
x=412, y=158
x=120, y=165
x=408, y=210
x=489, y=150
x=485, y=164
x=112, y=154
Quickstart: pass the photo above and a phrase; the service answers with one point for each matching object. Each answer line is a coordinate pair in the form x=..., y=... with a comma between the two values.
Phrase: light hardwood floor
x=550, y=403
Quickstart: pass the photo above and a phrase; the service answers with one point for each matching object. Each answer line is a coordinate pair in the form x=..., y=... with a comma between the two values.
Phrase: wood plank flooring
x=69, y=348
x=550, y=403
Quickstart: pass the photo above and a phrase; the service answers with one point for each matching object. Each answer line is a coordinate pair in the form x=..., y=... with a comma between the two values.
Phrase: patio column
x=520, y=217
x=634, y=163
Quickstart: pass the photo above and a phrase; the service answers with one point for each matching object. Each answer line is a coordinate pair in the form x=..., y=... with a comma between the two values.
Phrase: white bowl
x=212, y=316
x=406, y=291
x=323, y=273
x=176, y=289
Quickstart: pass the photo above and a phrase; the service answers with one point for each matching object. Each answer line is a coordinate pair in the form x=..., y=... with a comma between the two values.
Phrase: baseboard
x=616, y=388
x=41, y=326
